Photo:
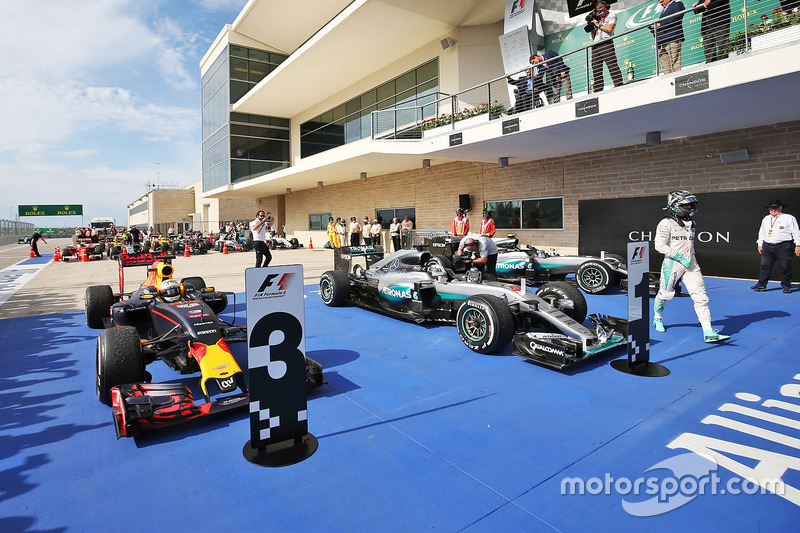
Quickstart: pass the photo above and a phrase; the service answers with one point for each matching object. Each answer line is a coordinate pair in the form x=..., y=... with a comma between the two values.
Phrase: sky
x=99, y=99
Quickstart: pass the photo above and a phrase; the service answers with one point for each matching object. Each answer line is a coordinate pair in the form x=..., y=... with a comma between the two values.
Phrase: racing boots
x=658, y=323
x=712, y=335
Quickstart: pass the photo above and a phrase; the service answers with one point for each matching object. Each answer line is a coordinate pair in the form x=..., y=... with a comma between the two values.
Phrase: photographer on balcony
x=601, y=24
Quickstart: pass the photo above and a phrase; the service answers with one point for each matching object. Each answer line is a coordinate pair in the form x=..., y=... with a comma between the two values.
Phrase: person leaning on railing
x=669, y=35
x=715, y=27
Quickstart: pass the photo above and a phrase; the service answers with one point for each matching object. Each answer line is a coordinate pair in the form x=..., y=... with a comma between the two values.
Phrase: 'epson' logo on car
x=438, y=245
x=206, y=331
x=548, y=349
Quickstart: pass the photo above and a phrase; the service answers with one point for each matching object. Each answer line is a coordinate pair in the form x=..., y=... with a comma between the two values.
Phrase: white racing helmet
x=170, y=290
x=676, y=204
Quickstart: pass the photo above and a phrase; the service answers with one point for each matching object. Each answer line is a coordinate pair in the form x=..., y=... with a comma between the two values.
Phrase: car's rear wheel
x=294, y=242
x=334, y=288
x=485, y=324
x=98, y=301
x=594, y=277
x=119, y=360
x=566, y=298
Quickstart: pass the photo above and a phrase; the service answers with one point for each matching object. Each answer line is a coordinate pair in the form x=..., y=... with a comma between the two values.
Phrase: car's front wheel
x=594, y=277
x=565, y=297
x=485, y=324
x=119, y=360
x=334, y=288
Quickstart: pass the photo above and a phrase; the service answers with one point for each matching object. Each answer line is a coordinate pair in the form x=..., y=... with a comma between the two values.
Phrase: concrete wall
x=689, y=163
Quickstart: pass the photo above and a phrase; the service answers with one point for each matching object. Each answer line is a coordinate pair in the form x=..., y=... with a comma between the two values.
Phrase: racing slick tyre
x=485, y=324
x=566, y=298
x=195, y=281
x=113, y=252
x=99, y=299
x=594, y=277
x=165, y=247
x=100, y=248
x=174, y=248
x=294, y=242
x=334, y=288
x=271, y=244
x=146, y=247
x=119, y=360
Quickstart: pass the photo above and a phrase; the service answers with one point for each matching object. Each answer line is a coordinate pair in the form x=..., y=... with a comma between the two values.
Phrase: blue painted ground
x=416, y=432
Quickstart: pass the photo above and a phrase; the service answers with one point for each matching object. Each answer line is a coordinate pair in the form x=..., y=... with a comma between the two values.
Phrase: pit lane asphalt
x=60, y=286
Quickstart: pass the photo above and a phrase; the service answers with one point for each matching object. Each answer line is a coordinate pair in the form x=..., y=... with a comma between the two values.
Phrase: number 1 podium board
x=276, y=357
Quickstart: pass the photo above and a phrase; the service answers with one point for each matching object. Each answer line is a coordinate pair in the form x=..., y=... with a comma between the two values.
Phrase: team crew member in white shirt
x=259, y=228
x=675, y=240
x=778, y=238
x=484, y=252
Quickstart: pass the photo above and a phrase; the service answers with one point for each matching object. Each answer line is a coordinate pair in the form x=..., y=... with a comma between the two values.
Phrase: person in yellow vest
x=365, y=226
x=487, y=224
x=341, y=230
x=332, y=235
x=460, y=223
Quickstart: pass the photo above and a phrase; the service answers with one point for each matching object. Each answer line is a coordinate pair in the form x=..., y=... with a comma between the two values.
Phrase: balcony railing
x=635, y=52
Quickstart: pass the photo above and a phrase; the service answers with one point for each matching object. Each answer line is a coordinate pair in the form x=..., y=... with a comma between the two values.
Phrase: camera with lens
x=594, y=15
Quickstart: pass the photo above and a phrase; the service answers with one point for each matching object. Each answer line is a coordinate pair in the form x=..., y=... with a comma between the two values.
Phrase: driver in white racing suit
x=675, y=240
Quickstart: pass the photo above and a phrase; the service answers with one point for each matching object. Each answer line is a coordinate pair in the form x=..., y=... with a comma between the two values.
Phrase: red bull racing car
x=410, y=284
x=177, y=322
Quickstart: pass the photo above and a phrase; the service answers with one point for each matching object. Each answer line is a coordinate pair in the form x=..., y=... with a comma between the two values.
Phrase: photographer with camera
x=601, y=23
x=259, y=229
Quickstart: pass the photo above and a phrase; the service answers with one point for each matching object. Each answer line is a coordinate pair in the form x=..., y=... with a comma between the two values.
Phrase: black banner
x=727, y=227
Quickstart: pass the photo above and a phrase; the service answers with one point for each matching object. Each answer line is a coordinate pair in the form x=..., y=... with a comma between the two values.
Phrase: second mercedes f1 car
x=177, y=322
x=410, y=284
x=595, y=275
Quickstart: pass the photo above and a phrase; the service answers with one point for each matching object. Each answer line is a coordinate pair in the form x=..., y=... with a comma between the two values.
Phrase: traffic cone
x=84, y=256
x=225, y=249
x=186, y=251
x=310, y=244
x=57, y=254
x=32, y=254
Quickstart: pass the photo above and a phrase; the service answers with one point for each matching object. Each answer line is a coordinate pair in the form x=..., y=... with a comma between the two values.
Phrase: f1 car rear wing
x=343, y=257
x=129, y=258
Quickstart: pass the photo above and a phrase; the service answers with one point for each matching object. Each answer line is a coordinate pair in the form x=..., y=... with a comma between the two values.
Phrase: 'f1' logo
x=638, y=254
x=282, y=283
x=517, y=4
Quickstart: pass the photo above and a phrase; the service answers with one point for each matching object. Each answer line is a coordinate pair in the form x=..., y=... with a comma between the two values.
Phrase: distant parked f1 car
x=594, y=275
x=93, y=250
x=412, y=285
x=177, y=322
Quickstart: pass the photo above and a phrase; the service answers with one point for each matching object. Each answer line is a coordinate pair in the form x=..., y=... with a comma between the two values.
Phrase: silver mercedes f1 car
x=545, y=327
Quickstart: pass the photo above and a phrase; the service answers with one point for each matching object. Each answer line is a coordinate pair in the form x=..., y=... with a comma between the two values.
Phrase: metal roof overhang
x=356, y=39
x=747, y=91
